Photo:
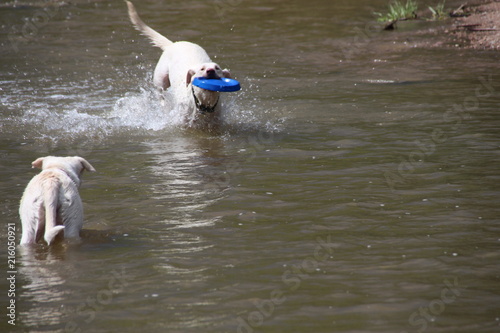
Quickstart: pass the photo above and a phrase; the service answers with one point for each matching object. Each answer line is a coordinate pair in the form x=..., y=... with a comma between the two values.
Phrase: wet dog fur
x=51, y=206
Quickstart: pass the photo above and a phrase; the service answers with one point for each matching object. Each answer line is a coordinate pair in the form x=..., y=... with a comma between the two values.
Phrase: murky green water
x=354, y=188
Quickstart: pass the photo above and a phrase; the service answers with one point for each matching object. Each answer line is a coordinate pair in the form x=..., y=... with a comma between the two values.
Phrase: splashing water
x=83, y=119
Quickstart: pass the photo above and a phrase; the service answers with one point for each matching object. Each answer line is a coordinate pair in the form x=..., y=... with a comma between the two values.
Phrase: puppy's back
x=39, y=206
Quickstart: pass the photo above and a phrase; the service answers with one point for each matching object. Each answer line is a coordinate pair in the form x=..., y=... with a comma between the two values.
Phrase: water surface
x=353, y=188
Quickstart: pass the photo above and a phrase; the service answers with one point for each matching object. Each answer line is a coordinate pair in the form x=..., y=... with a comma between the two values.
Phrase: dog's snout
x=211, y=73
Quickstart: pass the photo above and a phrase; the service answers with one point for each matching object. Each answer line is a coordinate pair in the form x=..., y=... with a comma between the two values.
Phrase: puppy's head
x=207, y=70
x=75, y=164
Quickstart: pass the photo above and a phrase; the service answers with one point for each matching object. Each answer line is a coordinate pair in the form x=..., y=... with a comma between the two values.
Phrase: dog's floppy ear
x=189, y=75
x=38, y=163
x=166, y=82
x=226, y=73
x=86, y=165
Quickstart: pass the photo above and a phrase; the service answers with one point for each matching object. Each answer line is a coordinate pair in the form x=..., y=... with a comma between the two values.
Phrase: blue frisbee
x=223, y=84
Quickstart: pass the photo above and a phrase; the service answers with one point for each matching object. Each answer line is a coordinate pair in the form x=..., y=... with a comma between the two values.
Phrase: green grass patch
x=399, y=11
x=438, y=12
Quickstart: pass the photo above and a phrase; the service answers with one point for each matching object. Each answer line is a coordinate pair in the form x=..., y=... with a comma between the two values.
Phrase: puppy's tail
x=50, y=199
x=156, y=38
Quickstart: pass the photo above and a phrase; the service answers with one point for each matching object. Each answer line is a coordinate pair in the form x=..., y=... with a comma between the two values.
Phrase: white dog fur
x=51, y=204
x=178, y=65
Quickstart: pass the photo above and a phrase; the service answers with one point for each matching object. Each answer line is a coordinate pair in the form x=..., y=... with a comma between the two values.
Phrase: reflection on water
x=44, y=280
x=361, y=145
x=180, y=165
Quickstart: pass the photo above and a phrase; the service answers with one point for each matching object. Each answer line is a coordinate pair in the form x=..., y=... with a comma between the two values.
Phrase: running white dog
x=51, y=204
x=179, y=64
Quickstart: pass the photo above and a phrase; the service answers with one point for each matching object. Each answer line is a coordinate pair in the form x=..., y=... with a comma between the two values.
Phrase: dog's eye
x=203, y=68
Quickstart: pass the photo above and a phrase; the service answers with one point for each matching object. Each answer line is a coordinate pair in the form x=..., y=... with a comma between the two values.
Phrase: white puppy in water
x=179, y=64
x=51, y=204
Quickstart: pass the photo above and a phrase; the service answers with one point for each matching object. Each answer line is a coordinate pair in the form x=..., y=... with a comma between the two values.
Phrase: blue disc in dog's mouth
x=223, y=84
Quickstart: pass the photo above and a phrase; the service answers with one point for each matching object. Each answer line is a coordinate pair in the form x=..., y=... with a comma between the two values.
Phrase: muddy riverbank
x=479, y=28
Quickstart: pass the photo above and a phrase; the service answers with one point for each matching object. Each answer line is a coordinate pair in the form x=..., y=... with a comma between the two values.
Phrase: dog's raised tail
x=156, y=38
